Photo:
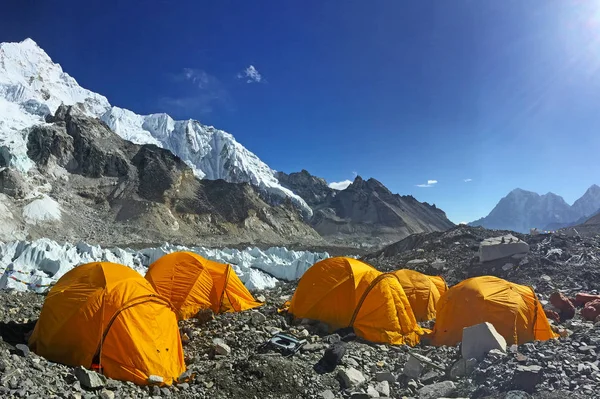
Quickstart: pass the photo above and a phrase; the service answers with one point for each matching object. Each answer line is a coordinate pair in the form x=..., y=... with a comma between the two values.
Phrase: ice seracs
x=37, y=264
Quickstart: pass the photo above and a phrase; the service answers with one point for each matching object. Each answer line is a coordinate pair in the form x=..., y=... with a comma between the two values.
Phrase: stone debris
x=257, y=318
x=415, y=365
x=437, y=390
x=463, y=367
x=385, y=376
x=479, y=339
x=221, y=348
x=526, y=378
x=383, y=388
x=501, y=247
x=350, y=377
x=565, y=367
x=89, y=379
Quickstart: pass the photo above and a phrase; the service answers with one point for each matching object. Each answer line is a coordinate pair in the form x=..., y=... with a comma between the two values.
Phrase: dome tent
x=345, y=292
x=193, y=283
x=422, y=292
x=107, y=314
x=513, y=309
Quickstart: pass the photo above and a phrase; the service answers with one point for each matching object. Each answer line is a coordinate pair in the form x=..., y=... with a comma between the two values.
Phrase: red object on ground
x=551, y=314
x=563, y=304
x=582, y=298
x=591, y=310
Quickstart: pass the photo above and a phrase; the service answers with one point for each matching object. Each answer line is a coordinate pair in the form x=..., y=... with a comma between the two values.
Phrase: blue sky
x=505, y=93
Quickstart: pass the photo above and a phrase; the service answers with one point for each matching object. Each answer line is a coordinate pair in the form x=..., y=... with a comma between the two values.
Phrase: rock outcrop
x=122, y=192
x=366, y=211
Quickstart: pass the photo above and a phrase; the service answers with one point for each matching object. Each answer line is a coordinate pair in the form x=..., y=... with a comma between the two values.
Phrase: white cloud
x=251, y=75
x=199, y=91
x=468, y=180
x=430, y=183
x=463, y=223
x=340, y=185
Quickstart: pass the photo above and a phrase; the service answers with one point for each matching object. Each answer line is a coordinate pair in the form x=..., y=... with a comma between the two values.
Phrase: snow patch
x=41, y=210
x=36, y=265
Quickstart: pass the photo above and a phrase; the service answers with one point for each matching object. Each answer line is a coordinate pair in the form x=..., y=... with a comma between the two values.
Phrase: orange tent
x=513, y=309
x=107, y=314
x=422, y=291
x=193, y=283
x=345, y=292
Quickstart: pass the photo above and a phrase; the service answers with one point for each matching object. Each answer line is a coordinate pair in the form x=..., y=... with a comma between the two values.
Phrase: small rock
x=221, y=348
x=22, y=350
x=462, y=368
x=383, y=388
x=479, y=339
x=335, y=353
x=350, y=361
x=507, y=266
x=437, y=390
x=430, y=377
x=155, y=379
x=412, y=384
x=438, y=264
x=106, y=394
x=312, y=347
x=327, y=395
x=261, y=298
x=350, y=377
x=89, y=379
x=415, y=364
x=385, y=376
x=257, y=318
x=526, y=378
x=304, y=333
x=372, y=392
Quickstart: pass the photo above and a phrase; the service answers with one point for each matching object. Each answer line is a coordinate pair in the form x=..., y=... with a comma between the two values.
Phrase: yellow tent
x=108, y=315
x=192, y=283
x=513, y=309
x=344, y=292
x=422, y=292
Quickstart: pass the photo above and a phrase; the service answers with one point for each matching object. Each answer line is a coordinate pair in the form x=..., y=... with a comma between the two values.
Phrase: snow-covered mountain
x=522, y=210
x=33, y=86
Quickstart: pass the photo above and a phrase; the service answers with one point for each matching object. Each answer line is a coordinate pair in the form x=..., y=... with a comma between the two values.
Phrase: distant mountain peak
x=521, y=210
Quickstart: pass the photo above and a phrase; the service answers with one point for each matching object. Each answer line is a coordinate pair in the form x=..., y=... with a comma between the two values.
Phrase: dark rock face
x=47, y=141
x=366, y=209
x=314, y=190
x=152, y=188
x=12, y=183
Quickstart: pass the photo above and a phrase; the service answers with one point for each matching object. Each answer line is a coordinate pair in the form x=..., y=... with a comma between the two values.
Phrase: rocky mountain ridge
x=108, y=190
x=366, y=211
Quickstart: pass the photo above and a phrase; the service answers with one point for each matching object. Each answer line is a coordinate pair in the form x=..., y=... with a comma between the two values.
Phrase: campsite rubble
x=566, y=367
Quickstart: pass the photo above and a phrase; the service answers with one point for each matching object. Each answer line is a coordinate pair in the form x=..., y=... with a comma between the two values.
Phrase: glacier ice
x=41, y=210
x=36, y=265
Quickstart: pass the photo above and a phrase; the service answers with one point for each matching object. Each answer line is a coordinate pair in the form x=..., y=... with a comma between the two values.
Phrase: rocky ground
x=225, y=358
